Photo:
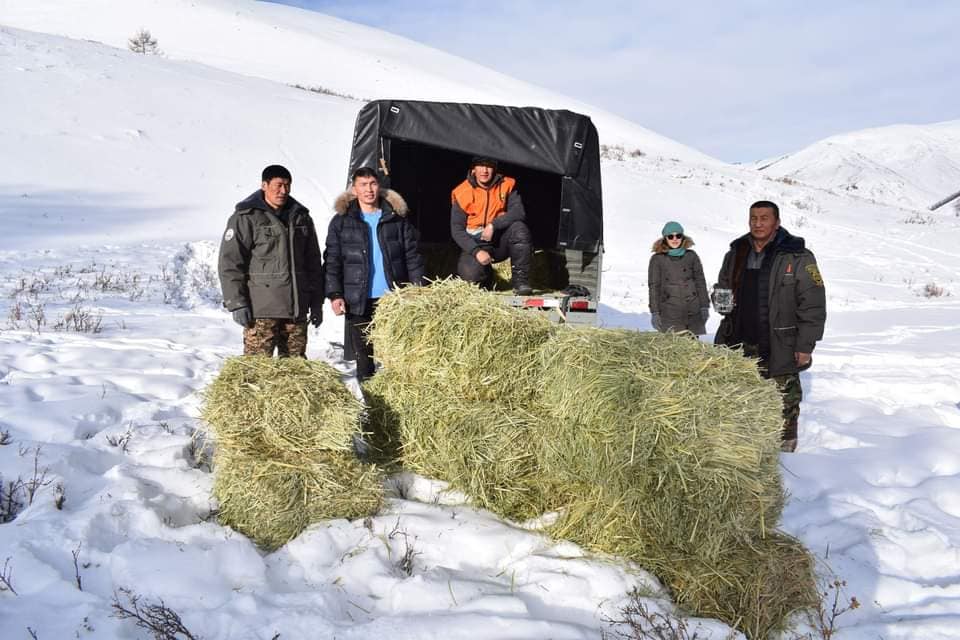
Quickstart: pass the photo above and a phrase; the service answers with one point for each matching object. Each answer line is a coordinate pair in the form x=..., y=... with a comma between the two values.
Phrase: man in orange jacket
x=487, y=221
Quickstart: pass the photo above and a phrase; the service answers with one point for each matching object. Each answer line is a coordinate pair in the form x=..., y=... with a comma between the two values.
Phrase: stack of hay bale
x=655, y=447
x=283, y=431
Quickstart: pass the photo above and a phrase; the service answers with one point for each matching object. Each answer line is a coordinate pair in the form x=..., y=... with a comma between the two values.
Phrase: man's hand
x=243, y=316
x=316, y=314
x=487, y=234
x=483, y=257
x=339, y=306
x=802, y=359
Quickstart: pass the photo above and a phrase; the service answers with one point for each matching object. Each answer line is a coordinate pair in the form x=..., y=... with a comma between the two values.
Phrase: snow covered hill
x=911, y=166
x=117, y=175
x=292, y=46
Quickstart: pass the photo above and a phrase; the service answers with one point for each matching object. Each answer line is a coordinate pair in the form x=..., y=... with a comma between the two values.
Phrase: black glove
x=655, y=320
x=316, y=315
x=243, y=316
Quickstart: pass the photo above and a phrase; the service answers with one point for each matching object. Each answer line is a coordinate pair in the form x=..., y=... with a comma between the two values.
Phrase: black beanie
x=275, y=171
x=486, y=161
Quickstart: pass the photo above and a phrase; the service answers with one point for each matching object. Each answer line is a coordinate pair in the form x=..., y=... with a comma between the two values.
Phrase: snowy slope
x=293, y=46
x=907, y=165
x=113, y=161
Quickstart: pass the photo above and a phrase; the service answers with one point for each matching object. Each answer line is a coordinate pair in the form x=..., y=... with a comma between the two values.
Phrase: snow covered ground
x=117, y=176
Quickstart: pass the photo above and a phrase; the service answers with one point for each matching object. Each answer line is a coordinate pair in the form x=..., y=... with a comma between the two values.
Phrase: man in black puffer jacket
x=371, y=249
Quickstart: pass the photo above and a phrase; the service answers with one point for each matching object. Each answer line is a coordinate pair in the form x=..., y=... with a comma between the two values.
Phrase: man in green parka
x=771, y=295
x=270, y=268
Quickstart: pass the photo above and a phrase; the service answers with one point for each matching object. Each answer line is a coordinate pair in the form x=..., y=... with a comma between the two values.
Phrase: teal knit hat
x=671, y=227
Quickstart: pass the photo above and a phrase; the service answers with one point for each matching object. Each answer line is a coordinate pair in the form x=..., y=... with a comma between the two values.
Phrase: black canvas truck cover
x=557, y=142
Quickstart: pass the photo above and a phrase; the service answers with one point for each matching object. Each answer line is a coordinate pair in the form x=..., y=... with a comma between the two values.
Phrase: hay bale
x=480, y=448
x=272, y=502
x=682, y=435
x=454, y=337
x=655, y=447
x=281, y=408
x=548, y=272
x=284, y=434
x=547, y=267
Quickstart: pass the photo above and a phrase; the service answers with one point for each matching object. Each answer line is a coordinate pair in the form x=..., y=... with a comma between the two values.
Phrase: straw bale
x=547, y=268
x=684, y=437
x=284, y=433
x=545, y=273
x=456, y=337
x=652, y=446
x=271, y=502
x=283, y=408
x=480, y=448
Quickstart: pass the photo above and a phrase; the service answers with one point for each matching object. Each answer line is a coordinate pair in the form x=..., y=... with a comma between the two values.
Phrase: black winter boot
x=520, y=287
x=518, y=240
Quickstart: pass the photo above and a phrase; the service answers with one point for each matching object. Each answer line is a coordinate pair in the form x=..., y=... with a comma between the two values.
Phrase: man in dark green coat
x=270, y=268
x=778, y=306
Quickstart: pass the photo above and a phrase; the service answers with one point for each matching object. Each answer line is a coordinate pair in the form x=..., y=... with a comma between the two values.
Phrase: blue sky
x=739, y=80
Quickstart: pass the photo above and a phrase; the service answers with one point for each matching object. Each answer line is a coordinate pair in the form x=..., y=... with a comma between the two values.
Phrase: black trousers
x=356, y=340
x=514, y=242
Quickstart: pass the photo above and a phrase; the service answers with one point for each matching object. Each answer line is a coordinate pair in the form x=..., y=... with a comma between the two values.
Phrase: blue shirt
x=378, y=279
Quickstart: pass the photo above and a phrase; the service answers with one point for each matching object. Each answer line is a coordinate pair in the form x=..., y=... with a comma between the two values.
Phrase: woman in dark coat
x=678, y=290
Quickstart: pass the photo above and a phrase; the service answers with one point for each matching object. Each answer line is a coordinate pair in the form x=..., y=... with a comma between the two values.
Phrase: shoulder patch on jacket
x=228, y=236
x=815, y=274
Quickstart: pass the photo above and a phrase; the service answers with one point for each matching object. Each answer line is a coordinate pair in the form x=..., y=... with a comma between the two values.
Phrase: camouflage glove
x=705, y=313
x=655, y=320
x=316, y=315
x=243, y=316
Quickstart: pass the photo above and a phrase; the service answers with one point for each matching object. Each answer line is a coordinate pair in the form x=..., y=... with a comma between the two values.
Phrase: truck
x=423, y=149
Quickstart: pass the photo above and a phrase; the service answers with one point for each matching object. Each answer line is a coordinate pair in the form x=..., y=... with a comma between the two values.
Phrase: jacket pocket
x=786, y=337
x=266, y=243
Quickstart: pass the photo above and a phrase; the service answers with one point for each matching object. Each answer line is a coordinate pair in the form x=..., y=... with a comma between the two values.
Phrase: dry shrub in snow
x=933, y=290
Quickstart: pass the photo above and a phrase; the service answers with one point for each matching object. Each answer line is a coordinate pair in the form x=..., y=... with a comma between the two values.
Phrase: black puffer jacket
x=347, y=254
x=270, y=265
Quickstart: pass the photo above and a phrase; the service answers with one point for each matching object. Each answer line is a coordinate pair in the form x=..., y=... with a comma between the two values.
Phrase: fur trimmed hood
x=394, y=200
x=660, y=246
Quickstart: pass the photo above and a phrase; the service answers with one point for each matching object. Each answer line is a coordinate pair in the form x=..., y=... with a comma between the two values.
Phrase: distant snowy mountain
x=911, y=166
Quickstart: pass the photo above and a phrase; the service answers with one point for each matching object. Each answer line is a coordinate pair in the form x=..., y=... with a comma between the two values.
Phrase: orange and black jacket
x=473, y=207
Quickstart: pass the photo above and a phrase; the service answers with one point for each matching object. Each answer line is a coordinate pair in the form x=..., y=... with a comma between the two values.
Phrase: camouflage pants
x=288, y=337
x=790, y=389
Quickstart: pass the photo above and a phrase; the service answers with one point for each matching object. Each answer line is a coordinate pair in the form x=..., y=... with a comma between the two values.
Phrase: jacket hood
x=472, y=179
x=255, y=202
x=661, y=246
x=390, y=201
x=784, y=242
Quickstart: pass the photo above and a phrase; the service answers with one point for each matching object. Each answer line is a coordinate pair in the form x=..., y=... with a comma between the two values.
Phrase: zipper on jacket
x=293, y=268
x=486, y=206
